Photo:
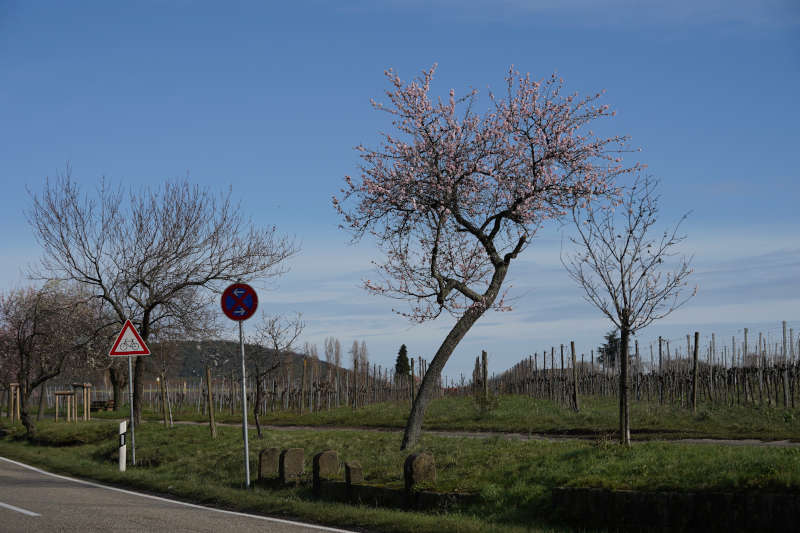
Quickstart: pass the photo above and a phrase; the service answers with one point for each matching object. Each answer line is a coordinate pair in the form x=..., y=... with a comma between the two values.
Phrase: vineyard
x=745, y=371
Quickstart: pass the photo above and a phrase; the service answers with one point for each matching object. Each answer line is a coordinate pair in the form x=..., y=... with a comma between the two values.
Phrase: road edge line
x=161, y=498
x=18, y=509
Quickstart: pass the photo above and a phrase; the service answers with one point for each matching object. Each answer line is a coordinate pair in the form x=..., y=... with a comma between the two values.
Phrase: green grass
x=598, y=416
x=513, y=478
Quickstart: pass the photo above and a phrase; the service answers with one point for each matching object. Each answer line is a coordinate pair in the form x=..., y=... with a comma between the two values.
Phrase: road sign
x=239, y=301
x=129, y=342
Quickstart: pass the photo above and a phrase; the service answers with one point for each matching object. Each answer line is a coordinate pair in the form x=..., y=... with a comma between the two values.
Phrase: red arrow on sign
x=129, y=342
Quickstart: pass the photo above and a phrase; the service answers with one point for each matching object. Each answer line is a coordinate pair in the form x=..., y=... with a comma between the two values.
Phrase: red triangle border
x=129, y=324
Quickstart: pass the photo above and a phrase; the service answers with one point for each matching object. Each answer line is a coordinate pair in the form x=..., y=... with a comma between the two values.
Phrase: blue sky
x=271, y=99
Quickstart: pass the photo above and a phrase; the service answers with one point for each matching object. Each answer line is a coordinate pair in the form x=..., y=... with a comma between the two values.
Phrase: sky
x=270, y=99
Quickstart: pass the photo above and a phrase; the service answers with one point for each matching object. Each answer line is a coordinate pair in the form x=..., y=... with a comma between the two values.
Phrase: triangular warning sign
x=129, y=342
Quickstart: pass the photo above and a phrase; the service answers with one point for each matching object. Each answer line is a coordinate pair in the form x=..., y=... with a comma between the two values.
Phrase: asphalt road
x=35, y=500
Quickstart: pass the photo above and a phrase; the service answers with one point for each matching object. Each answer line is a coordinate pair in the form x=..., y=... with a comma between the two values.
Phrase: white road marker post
x=123, y=448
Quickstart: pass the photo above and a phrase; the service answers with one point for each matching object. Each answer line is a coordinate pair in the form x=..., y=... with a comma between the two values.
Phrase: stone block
x=291, y=465
x=325, y=466
x=419, y=468
x=268, y=460
x=353, y=473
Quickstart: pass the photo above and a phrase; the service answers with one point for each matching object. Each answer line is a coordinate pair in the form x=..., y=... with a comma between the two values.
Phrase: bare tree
x=45, y=330
x=310, y=350
x=151, y=255
x=329, y=349
x=363, y=357
x=275, y=336
x=355, y=356
x=621, y=270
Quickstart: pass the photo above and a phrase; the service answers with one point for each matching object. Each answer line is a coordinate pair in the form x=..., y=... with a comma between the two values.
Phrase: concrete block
x=291, y=465
x=353, y=473
x=325, y=466
x=268, y=460
x=419, y=468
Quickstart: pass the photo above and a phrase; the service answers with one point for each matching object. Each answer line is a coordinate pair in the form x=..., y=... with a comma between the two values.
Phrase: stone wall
x=285, y=467
x=678, y=511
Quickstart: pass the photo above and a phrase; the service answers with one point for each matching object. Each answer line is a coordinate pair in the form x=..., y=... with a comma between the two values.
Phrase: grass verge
x=513, y=478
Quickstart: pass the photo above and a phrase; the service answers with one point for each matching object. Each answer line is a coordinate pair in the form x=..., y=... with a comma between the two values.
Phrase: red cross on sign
x=239, y=301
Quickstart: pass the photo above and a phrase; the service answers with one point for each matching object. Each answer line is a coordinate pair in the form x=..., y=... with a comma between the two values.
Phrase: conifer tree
x=401, y=366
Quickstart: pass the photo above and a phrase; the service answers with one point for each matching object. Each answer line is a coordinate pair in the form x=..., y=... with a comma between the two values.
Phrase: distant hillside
x=189, y=358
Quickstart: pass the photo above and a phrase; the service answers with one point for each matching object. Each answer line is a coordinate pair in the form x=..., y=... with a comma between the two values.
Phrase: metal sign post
x=244, y=413
x=130, y=396
x=239, y=302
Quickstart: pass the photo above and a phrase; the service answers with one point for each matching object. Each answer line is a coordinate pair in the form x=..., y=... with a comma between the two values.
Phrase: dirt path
x=513, y=435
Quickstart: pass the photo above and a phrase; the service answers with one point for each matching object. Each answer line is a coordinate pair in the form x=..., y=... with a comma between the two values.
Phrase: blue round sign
x=239, y=301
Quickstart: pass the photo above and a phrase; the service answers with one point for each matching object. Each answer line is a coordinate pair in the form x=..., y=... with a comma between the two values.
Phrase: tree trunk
x=624, y=408
x=40, y=412
x=414, y=423
x=25, y=416
x=138, y=389
x=117, y=383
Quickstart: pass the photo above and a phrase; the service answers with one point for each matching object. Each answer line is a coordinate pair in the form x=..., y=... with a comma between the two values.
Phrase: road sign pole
x=244, y=413
x=239, y=301
x=130, y=396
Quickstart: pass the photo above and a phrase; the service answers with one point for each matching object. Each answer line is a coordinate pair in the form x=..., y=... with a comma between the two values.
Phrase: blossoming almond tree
x=456, y=196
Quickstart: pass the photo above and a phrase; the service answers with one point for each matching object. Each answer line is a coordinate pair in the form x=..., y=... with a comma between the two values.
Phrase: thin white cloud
x=550, y=309
x=622, y=13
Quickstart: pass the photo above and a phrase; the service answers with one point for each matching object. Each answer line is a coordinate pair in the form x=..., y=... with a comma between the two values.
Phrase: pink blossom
x=453, y=197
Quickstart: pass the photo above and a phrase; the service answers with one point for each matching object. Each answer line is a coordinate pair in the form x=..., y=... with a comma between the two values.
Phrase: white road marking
x=19, y=509
x=159, y=498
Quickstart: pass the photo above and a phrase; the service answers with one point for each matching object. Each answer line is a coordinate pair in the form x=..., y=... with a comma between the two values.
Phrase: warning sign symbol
x=129, y=342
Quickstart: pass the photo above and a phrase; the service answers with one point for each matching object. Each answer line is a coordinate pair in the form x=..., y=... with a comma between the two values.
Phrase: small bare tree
x=329, y=349
x=46, y=330
x=621, y=270
x=152, y=256
x=275, y=337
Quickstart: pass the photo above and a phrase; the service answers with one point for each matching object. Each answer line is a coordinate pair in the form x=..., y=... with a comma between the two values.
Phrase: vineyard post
x=638, y=381
x=761, y=362
x=792, y=359
x=411, y=381
x=713, y=360
x=163, y=391
x=694, y=372
x=562, y=378
x=785, y=370
x=575, y=406
x=485, y=376
x=303, y=386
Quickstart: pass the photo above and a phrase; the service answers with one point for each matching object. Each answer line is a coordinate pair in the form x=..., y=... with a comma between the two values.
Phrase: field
x=512, y=477
x=597, y=418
